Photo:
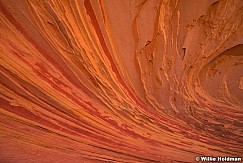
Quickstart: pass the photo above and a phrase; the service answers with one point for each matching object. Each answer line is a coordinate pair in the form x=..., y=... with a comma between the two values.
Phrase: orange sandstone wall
x=120, y=80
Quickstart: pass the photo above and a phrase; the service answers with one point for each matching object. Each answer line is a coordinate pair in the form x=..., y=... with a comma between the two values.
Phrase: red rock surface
x=120, y=81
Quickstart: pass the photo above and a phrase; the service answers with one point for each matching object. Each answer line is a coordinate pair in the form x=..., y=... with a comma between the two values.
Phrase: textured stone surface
x=120, y=81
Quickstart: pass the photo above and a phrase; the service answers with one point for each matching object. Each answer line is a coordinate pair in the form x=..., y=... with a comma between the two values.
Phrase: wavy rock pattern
x=120, y=81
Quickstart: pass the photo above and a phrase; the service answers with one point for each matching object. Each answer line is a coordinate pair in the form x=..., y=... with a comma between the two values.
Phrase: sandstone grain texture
x=120, y=80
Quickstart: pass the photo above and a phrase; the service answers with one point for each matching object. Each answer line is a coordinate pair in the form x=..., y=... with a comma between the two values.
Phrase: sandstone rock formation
x=120, y=80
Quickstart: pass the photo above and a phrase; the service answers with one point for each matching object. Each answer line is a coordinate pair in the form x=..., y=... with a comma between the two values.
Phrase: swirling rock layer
x=120, y=81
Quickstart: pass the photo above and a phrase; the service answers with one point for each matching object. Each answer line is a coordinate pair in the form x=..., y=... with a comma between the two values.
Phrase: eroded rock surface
x=120, y=81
